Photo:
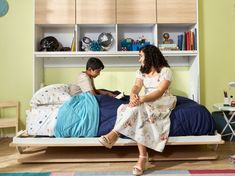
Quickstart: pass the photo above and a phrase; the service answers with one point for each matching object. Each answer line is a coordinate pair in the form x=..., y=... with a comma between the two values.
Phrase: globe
x=105, y=40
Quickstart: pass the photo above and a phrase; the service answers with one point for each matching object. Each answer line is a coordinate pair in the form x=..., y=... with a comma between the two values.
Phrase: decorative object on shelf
x=85, y=44
x=73, y=45
x=95, y=46
x=128, y=44
x=105, y=40
x=167, y=44
x=104, y=43
x=167, y=39
x=140, y=43
x=4, y=7
x=50, y=43
x=168, y=47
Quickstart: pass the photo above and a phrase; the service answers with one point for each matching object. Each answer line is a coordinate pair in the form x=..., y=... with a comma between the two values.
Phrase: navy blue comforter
x=188, y=117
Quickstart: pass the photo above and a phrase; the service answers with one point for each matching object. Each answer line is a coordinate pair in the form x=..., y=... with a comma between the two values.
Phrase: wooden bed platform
x=49, y=149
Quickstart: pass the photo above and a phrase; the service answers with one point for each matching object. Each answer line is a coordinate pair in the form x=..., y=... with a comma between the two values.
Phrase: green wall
x=120, y=79
x=16, y=52
x=216, y=35
x=217, y=61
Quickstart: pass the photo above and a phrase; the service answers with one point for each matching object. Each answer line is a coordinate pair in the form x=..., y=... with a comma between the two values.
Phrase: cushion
x=41, y=120
x=53, y=94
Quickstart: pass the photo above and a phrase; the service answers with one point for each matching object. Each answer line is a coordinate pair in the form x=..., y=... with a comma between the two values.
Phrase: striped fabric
x=125, y=173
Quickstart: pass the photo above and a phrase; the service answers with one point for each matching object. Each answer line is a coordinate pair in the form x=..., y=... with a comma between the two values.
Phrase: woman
x=146, y=118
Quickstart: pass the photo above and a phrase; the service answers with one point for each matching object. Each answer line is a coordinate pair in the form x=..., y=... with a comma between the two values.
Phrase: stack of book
x=168, y=47
x=232, y=159
x=188, y=40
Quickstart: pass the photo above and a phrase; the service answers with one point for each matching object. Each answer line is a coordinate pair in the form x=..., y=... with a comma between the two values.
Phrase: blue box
x=137, y=46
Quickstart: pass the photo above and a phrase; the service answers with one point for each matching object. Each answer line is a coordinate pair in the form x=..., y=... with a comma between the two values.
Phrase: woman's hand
x=137, y=100
x=141, y=99
x=134, y=100
x=134, y=97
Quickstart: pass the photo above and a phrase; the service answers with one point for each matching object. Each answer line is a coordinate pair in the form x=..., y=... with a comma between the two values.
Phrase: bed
x=191, y=125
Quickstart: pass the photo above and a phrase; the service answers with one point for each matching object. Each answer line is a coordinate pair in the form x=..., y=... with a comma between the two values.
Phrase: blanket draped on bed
x=188, y=117
x=88, y=115
x=78, y=117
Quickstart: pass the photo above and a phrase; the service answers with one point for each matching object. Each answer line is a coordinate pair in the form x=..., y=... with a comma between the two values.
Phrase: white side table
x=229, y=121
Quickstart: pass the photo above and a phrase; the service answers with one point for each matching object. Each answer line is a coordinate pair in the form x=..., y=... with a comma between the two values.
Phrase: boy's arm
x=98, y=91
x=93, y=90
x=104, y=92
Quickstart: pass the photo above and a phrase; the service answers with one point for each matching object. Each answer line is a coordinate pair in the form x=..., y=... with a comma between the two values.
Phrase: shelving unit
x=114, y=20
x=110, y=54
x=93, y=31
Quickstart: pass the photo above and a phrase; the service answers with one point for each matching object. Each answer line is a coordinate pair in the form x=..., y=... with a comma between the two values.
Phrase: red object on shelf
x=233, y=103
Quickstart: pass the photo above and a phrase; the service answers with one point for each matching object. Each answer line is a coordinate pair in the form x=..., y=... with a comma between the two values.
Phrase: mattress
x=187, y=119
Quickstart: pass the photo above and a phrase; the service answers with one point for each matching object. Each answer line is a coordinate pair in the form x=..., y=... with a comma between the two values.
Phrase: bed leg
x=20, y=149
x=213, y=147
x=216, y=147
x=29, y=150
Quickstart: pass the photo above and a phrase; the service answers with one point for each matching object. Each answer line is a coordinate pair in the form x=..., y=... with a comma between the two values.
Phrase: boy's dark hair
x=153, y=57
x=94, y=63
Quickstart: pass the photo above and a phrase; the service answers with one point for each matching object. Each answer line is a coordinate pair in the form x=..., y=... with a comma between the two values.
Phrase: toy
x=105, y=40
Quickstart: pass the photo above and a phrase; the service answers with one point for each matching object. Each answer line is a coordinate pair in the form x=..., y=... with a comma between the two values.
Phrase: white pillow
x=41, y=120
x=51, y=95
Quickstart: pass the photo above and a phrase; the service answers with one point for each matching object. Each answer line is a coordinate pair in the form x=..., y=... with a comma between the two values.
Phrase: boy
x=85, y=82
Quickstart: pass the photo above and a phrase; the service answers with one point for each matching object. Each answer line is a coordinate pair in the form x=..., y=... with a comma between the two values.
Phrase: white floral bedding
x=53, y=94
x=45, y=103
x=41, y=120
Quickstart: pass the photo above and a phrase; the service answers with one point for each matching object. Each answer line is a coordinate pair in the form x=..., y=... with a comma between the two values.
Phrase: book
x=180, y=41
x=195, y=39
x=121, y=95
x=191, y=40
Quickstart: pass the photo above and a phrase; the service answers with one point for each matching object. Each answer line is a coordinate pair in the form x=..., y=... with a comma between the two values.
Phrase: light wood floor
x=8, y=162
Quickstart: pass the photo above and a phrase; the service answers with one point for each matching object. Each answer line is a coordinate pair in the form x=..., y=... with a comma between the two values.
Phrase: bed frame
x=48, y=149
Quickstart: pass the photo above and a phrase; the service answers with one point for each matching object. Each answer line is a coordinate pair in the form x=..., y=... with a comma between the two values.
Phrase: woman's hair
x=153, y=57
x=94, y=63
